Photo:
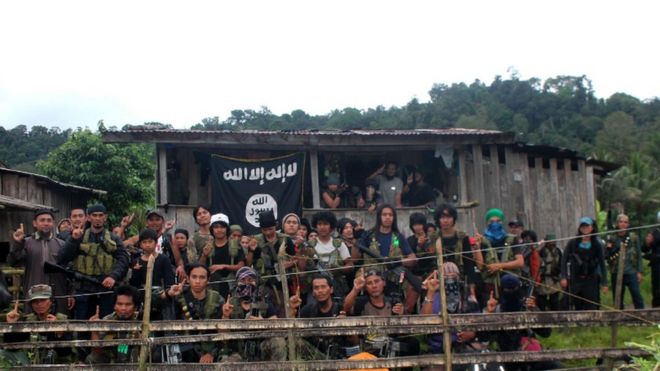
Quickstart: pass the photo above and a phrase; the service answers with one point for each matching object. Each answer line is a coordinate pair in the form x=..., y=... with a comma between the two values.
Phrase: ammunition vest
x=96, y=259
x=265, y=265
x=333, y=257
x=493, y=255
x=458, y=250
x=550, y=262
x=632, y=254
x=210, y=310
x=393, y=252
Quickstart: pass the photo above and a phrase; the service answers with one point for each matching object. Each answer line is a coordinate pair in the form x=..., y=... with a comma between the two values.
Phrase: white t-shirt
x=324, y=250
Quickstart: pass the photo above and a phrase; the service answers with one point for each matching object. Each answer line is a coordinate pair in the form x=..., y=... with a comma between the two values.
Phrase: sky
x=73, y=63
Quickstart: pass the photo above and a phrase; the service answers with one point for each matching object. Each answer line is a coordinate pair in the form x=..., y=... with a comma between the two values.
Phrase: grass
x=600, y=337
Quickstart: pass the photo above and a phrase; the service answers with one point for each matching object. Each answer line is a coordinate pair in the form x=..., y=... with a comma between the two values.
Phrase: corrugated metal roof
x=314, y=132
x=52, y=181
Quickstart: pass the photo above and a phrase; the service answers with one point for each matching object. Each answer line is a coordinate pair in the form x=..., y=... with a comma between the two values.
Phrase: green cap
x=235, y=227
x=40, y=292
x=550, y=236
x=494, y=212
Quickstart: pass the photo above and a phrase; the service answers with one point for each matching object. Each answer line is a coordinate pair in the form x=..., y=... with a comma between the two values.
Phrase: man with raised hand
x=33, y=251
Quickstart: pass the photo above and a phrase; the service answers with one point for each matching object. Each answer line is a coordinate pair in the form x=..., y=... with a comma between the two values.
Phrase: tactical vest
x=393, y=252
x=334, y=262
x=493, y=256
x=212, y=303
x=550, y=262
x=96, y=259
x=584, y=261
x=265, y=265
x=333, y=257
x=458, y=250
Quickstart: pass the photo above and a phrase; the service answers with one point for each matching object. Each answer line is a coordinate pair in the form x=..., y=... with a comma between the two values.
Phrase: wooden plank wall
x=547, y=200
x=34, y=190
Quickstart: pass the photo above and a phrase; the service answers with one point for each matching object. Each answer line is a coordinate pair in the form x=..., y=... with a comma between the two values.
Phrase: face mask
x=453, y=293
x=245, y=291
x=495, y=232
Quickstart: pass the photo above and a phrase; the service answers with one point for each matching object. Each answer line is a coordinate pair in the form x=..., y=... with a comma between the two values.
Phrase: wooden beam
x=398, y=362
x=477, y=322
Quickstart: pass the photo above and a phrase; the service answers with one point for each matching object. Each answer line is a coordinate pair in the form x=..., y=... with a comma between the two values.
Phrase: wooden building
x=547, y=188
x=21, y=193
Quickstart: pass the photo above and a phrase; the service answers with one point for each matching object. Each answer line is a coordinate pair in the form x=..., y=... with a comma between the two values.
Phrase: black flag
x=244, y=188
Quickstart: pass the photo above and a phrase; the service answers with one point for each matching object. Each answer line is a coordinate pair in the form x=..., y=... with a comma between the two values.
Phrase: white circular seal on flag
x=256, y=205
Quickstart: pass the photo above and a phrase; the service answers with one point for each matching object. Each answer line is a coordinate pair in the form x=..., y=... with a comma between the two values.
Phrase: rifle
x=69, y=273
x=415, y=282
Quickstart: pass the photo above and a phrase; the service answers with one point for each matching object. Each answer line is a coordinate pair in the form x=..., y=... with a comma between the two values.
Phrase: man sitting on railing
x=126, y=306
x=40, y=300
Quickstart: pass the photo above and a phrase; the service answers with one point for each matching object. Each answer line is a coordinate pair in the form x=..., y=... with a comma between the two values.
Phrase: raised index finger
x=492, y=294
x=16, y=306
x=22, y=229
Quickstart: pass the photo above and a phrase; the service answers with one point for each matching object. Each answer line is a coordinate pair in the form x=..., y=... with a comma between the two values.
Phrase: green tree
x=125, y=171
x=618, y=136
x=637, y=185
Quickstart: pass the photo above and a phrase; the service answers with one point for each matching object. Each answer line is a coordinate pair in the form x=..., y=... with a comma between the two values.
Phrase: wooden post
x=162, y=176
x=291, y=341
x=617, y=296
x=144, y=349
x=314, y=170
x=446, y=335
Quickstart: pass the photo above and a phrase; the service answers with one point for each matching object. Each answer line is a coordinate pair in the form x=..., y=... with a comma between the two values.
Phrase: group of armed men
x=333, y=268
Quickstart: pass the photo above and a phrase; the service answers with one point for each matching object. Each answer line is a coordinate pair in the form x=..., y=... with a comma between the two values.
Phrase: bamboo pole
x=617, y=295
x=290, y=339
x=446, y=335
x=144, y=349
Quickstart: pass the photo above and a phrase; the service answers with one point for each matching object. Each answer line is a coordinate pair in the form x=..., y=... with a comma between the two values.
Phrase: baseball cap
x=586, y=220
x=220, y=218
x=40, y=291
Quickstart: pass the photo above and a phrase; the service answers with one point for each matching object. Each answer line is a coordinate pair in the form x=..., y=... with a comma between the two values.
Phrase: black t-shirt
x=163, y=273
x=221, y=255
x=314, y=311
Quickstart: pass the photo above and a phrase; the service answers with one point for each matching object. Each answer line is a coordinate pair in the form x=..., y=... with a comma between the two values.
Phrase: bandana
x=495, y=232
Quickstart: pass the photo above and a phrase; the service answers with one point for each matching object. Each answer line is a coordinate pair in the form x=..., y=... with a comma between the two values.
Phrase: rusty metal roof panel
x=314, y=132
